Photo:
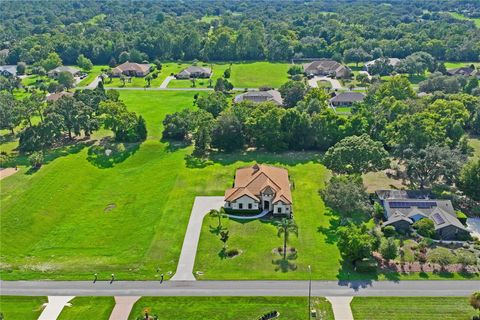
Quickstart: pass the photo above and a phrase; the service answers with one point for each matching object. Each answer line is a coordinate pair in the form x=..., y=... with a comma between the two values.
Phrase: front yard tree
x=475, y=300
x=9, y=113
x=469, y=180
x=214, y=213
x=433, y=164
x=346, y=195
x=224, y=237
x=355, y=242
x=228, y=132
x=36, y=159
x=357, y=154
x=285, y=227
x=389, y=249
x=214, y=103
x=52, y=61
x=74, y=115
x=84, y=63
x=292, y=92
x=203, y=138
x=148, y=79
x=66, y=79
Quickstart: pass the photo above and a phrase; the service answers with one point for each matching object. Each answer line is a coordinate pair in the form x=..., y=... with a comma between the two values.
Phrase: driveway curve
x=201, y=207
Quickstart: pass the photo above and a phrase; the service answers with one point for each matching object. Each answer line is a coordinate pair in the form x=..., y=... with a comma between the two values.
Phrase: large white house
x=260, y=188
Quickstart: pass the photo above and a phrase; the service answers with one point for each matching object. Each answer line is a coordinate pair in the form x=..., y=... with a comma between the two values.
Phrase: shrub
x=232, y=253
x=462, y=217
x=441, y=256
x=389, y=231
x=425, y=227
x=366, y=266
x=36, y=159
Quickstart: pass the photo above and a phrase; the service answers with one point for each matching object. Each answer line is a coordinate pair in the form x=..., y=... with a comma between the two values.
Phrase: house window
x=249, y=206
x=279, y=210
x=240, y=206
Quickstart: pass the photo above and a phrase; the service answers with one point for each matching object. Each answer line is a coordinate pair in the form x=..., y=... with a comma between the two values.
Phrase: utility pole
x=309, y=290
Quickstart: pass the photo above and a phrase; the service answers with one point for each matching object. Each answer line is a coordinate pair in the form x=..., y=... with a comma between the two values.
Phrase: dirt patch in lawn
x=5, y=172
x=110, y=207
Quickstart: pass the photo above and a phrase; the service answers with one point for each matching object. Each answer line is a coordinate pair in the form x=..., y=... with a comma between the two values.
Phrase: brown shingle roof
x=132, y=66
x=251, y=181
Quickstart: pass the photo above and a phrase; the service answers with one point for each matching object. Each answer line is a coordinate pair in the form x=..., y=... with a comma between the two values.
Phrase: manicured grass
x=92, y=74
x=24, y=308
x=135, y=82
x=257, y=74
x=34, y=79
x=406, y=308
x=98, y=308
x=475, y=144
x=462, y=17
x=228, y=308
x=456, y=64
x=324, y=84
x=344, y=110
x=68, y=232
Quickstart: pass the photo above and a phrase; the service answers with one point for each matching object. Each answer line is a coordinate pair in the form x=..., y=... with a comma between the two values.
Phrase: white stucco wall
x=245, y=201
x=285, y=208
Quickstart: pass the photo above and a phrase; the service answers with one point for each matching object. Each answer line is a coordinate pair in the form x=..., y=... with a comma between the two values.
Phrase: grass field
x=243, y=75
x=462, y=17
x=228, y=308
x=451, y=64
x=475, y=144
x=24, y=308
x=127, y=214
x=98, y=308
x=407, y=308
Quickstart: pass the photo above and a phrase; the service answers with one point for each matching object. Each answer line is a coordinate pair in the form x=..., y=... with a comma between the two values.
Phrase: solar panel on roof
x=437, y=218
x=408, y=204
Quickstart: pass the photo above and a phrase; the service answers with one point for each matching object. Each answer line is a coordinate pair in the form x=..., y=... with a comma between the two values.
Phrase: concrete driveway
x=201, y=207
x=336, y=85
x=166, y=82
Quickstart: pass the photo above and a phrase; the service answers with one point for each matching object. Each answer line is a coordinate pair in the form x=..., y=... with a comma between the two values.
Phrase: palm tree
x=285, y=227
x=214, y=213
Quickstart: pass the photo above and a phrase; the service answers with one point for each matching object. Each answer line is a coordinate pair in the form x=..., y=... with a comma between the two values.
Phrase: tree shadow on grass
x=174, y=145
x=108, y=153
x=284, y=265
x=193, y=162
x=73, y=147
x=216, y=230
x=284, y=158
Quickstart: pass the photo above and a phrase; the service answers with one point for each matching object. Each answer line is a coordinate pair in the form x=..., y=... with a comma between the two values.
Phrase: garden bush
x=389, y=231
x=425, y=227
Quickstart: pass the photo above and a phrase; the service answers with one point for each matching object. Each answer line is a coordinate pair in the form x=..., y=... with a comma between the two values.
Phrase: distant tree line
x=110, y=33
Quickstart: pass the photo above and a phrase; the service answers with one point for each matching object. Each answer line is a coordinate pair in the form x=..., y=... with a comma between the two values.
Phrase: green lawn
x=218, y=70
x=71, y=230
x=209, y=19
x=98, y=308
x=462, y=17
x=127, y=214
x=455, y=64
x=257, y=74
x=135, y=82
x=475, y=144
x=92, y=74
x=228, y=308
x=24, y=308
x=406, y=308
x=34, y=79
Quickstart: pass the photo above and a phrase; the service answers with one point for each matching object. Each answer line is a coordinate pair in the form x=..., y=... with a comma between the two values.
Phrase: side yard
x=407, y=308
x=25, y=308
x=228, y=308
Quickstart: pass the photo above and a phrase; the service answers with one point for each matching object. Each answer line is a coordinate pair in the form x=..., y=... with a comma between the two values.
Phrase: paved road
x=441, y=288
x=201, y=207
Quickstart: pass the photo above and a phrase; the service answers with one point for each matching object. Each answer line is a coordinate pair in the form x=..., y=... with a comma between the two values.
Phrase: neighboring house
x=132, y=69
x=194, y=72
x=8, y=71
x=259, y=188
x=55, y=96
x=391, y=61
x=55, y=72
x=463, y=71
x=346, y=99
x=260, y=96
x=327, y=68
x=403, y=208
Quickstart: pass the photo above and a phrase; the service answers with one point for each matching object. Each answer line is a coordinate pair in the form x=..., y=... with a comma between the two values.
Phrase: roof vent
x=255, y=168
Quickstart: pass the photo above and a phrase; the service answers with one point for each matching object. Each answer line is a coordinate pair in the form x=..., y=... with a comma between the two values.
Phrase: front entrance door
x=266, y=205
